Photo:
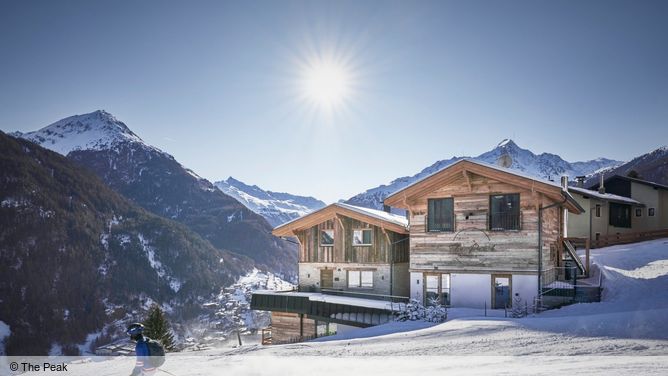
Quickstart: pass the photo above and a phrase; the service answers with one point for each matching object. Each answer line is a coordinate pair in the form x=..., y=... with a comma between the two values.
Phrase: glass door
x=436, y=289
x=500, y=291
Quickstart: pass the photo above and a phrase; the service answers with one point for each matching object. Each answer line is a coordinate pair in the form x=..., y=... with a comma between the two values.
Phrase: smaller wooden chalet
x=481, y=233
x=353, y=269
x=350, y=248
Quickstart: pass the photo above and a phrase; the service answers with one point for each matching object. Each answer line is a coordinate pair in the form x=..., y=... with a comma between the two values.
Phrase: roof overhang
x=330, y=212
x=404, y=197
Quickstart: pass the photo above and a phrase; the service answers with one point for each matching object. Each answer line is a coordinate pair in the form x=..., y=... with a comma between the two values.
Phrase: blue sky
x=216, y=84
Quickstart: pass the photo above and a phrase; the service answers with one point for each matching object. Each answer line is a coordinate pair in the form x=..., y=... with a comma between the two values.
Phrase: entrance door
x=327, y=278
x=501, y=293
x=437, y=289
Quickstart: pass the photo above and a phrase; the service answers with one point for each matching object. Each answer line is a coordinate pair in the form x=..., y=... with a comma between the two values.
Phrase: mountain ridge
x=544, y=165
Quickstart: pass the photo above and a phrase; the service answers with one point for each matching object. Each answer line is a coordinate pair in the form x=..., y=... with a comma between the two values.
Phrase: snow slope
x=276, y=207
x=603, y=338
x=545, y=165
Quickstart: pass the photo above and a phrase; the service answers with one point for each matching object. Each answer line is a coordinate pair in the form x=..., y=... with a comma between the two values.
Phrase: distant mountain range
x=652, y=166
x=276, y=207
x=155, y=181
x=76, y=256
x=506, y=153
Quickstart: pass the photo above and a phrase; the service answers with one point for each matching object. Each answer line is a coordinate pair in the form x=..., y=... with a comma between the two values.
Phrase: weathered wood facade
x=472, y=255
x=330, y=265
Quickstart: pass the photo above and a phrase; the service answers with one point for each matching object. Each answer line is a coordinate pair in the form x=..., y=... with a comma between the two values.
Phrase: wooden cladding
x=477, y=241
x=381, y=246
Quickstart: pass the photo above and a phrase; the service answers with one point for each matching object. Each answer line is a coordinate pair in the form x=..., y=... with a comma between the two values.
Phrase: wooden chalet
x=479, y=234
x=349, y=257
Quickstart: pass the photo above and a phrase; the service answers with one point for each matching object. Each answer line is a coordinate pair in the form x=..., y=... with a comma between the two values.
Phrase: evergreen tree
x=158, y=328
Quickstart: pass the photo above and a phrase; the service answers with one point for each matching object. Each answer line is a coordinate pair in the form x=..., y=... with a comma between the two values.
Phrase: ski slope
x=626, y=333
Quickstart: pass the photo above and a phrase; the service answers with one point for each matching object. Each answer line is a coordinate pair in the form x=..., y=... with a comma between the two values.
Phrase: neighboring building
x=350, y=248
x=480, y=233
x=605, y=214
x=654, y=197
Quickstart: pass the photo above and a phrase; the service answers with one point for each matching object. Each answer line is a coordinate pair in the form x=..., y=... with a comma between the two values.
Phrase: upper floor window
x=650, y=212
x=598, y=210
x=362, y=237
x=504, y=212
x=327, y=238
x=440, y=214
x=638, y=212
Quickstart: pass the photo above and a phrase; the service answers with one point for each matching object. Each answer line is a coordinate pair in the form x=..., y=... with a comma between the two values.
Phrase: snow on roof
x=604, y=196
x=484, y=164
x=378, y=214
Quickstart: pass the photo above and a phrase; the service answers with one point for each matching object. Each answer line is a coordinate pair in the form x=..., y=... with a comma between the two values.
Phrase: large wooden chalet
x=480, y=233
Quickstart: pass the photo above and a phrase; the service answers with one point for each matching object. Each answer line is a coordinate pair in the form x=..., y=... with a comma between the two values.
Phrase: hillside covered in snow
x=626, y=333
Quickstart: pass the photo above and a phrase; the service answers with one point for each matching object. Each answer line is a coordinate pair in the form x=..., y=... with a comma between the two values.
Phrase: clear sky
x=220, y=84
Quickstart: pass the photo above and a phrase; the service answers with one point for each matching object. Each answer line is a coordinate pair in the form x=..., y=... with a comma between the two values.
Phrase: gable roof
x=633, y=180
x=388, y=221
x=454, y=171
x=605, y=196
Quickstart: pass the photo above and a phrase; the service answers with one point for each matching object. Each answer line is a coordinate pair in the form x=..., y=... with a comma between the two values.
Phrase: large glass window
x=440, y=214
x=327, y=237
x=502, y=292
x=360, y=278
x=362, y=237
x=620, y=215
x=504, y=212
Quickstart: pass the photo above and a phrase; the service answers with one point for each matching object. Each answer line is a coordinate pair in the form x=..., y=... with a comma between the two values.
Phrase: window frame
x=651, y=212
x=638, y=212
x=452, y=215
x=441, y=291
x=360, y=284
x=363, y=244
x=597, y=210
x=615, y=208
x=518, y=214
x=333, y=239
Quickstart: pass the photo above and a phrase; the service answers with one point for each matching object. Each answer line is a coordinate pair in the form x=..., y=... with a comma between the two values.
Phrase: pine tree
x=157, y=327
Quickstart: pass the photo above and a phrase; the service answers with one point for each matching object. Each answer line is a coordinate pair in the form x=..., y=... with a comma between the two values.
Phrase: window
x=504, y=212
x=620, y=215
x=650, y=212
x=360, y=278
x=638, y=212
x=440, y=214
x=598, y=211
x=362, y=237
x=327, y=238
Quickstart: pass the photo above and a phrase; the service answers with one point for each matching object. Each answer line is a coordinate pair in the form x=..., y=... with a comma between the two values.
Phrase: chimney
x=581, y=181
x=564, y=183
x=601, y=187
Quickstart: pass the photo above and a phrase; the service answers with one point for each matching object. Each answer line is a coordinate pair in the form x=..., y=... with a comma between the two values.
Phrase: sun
x=326, y=84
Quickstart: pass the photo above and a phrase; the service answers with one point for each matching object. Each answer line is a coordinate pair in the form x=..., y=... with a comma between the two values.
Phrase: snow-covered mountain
x=507, y=154
x=98, y=130
x=276, y=207
x=157, y=182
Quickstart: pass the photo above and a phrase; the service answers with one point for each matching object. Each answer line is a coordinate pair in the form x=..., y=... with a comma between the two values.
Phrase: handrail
x=360, y=294
x=574, y=255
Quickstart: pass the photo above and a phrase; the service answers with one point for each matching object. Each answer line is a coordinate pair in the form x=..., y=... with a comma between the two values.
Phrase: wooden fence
x=629, y=237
